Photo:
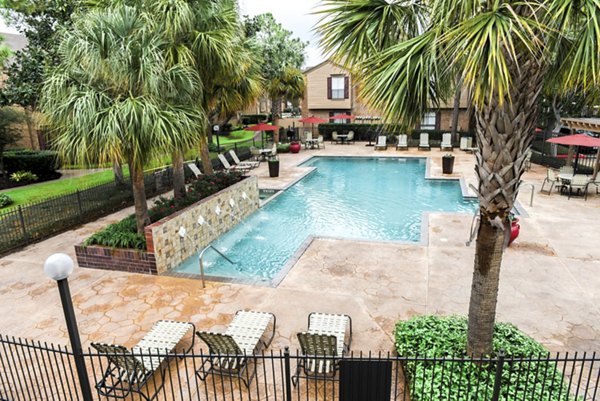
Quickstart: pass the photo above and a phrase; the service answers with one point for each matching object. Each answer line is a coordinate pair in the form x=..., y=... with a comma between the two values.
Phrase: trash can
x=447, y=164
x=273, y=168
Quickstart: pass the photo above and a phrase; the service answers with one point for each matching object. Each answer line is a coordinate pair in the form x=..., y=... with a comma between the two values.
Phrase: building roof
x=315, y=67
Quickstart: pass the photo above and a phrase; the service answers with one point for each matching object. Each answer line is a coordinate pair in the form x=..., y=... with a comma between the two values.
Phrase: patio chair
x=320, y=142
x=328, y=338
x=308, y=139
x=246, y=163
x=334, y=137
x=129, y=371
x=350, y=137
x=579, y=183
x=255, y=153
x=381, y=142
x=230, y=351
x=424, y=142
x=402, y=142
x=566, y=170
x=552, y=179
x=466, y=145
x=229, y=167
x=446, y=142
x=194, y=169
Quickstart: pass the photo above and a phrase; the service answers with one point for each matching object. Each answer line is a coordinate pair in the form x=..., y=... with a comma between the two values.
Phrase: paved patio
x=548, y=288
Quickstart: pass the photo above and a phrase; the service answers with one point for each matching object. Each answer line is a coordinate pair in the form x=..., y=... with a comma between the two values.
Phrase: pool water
x=379, y=199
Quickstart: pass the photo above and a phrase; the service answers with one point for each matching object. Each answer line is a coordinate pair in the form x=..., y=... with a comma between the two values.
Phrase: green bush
x=248, y=119
x=433, y=336
x=42, y=163
x=124, y=233
x=5, y=200
x=23, y=176
x=283, y=148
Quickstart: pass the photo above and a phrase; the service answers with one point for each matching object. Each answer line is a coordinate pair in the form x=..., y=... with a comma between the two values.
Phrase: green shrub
x=23, y=176
x=41, y=163
x=433, y=336
x=283, y=148
x=124, y=233
x=248, y=119
x=5, y=200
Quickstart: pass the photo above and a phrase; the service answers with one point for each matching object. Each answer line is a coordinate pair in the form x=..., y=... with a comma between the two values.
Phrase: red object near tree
x=515, y=229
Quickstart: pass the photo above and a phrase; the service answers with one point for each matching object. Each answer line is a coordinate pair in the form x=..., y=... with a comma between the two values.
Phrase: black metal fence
x=35, y=371
x=36, y=221
x=555, y=156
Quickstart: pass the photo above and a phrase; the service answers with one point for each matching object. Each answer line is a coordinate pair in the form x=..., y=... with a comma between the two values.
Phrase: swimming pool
x=378, y=199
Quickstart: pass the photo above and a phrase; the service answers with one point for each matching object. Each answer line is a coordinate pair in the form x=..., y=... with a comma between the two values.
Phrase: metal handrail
x=201, y=255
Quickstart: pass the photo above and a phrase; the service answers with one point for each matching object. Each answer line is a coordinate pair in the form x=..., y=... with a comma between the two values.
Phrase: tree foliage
x=9, y=133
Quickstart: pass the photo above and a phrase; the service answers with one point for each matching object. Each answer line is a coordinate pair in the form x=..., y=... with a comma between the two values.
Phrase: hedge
x=42, y=163
x=434, y=336
x=248, y=119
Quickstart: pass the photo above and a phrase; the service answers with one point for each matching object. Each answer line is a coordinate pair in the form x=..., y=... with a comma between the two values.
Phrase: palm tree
x=506, y=51
x=114, y=96
x=288, y=85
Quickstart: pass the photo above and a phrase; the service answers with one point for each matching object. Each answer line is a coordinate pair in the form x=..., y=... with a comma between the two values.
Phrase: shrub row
x=42, y=163
x=124, y=233
x=248, y=119
x=433, y=336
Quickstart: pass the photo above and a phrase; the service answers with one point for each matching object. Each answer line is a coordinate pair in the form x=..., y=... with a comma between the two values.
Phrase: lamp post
x=59, y=267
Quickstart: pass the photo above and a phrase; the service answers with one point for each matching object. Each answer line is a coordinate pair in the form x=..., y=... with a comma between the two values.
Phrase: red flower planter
x=295, y=147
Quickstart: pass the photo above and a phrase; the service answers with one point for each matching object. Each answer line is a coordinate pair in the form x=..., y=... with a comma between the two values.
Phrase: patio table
x=343, y=138
x=312, y=142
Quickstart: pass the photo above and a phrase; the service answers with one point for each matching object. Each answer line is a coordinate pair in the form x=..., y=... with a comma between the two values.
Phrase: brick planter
x=166, y=249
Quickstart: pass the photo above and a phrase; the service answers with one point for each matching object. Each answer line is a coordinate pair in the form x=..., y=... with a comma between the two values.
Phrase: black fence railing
x=34, y=371
x=555, y=156
x=36, y=221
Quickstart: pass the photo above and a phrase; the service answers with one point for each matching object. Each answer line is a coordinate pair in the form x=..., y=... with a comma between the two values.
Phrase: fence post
x=80, y=207
x=288, y=374
x=22, y=221
x=498, y=376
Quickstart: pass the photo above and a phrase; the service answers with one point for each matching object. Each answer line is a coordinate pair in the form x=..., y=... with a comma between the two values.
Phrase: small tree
x=9, y=133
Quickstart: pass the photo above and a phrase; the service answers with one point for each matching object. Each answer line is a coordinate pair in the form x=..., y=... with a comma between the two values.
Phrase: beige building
x=331, y=90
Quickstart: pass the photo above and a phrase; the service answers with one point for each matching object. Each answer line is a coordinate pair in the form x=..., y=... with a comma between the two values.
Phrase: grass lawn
x=33, y=193
x=234, y=137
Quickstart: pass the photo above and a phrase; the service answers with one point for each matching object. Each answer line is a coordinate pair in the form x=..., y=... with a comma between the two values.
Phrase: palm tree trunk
x=118, y=172
x=504, y=135
x=456, y=108
x=139, y=197
x=276, y=111
x=178, y=176
x=29, y=121
x=205, y=155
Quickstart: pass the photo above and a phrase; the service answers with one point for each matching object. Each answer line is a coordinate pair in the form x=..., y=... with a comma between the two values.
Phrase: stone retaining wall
x=166, y=248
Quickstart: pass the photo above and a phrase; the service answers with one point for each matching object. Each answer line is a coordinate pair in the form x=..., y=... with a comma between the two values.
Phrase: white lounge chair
x=579, y=183
x=552, y=179
x=128, y=371
x=320, y=142
x=350, y=137
x=402, y=142
x=229, y=167
x=246, y=163
x=446, y=142
x=194, y=169
x=230, y=351
x=424, y=142
x=381, y=142
x=334, y=137
x=327, y=339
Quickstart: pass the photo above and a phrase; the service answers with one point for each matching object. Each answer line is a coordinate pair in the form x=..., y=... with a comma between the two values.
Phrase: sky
x=294, y=15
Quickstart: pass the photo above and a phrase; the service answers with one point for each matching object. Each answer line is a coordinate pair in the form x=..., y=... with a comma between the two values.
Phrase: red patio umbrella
x=579, y=140
x=262, y=127
x=312, y=120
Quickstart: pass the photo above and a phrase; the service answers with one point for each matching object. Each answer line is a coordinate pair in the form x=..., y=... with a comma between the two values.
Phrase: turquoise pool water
x=381, y=199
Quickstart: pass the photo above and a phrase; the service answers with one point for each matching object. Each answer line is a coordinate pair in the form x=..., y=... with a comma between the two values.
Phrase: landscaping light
x=218, y=210
x=231, y=202
x=201, y=220
x=58, y=266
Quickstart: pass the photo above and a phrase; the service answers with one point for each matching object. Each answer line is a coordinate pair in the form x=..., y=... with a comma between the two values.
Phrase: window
x=429, y=120
x=337, y=87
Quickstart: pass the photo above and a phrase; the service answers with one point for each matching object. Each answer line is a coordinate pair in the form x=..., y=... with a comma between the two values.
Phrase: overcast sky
x=294, y=15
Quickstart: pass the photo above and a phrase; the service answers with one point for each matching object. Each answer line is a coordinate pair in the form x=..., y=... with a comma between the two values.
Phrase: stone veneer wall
x=170, y=249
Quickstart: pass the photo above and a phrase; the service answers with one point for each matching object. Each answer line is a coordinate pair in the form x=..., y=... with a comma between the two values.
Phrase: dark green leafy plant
x=5, y=200
x=23, y=176
x=439, y=337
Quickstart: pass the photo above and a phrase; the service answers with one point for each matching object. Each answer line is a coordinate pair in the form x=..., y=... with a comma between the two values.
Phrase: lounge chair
x=579, y=183
x=229, y=167
x=320, y=142
x=381, y=142
x=230, y=352
x=128, y=371
x=194, y=169
x=402, y=142
x=552, y=179
x=246, y=163
x=424, y=142
x=327, y=339
x=334, y=137
x=466, y=145
x=255, y=153
x=446, y=142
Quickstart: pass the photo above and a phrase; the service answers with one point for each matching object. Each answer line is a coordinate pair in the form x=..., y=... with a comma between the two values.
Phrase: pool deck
x=548, y=288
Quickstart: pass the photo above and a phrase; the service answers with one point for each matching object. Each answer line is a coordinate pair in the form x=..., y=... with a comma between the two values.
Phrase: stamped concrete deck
x=549, y=283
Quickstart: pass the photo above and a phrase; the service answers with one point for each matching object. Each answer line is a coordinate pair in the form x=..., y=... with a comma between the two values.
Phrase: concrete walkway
x=549, y=281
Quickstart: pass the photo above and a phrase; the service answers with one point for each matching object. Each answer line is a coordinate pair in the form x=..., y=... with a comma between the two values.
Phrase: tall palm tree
x=114, y=96
x=289, y=85
x=506, y=51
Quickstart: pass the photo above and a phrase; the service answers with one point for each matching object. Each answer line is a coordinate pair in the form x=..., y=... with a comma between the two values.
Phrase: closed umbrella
x=262, y=127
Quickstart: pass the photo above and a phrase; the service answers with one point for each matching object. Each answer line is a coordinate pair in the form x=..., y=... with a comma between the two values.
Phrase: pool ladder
x=200, y=260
